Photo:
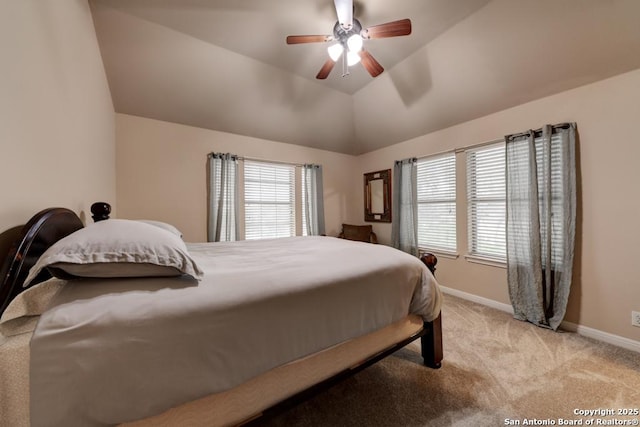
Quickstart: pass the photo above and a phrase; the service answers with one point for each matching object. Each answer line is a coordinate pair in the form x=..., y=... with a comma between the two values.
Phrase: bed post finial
x=100, y=211
x=430, y=260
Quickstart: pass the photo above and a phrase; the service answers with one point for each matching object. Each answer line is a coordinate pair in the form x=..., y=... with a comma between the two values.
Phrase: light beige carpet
x=496, y=371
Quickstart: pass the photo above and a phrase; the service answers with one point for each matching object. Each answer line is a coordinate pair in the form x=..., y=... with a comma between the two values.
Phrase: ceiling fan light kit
x=352, y=59
x=350, y=36
x=354, y=43
x=335, y=51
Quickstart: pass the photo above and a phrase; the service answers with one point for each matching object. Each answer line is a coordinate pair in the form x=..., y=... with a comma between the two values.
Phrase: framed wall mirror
x=377, y=196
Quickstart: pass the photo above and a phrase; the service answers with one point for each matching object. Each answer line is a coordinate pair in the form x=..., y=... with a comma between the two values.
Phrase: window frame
x=424, y=200
x=292, y=201
x=555, y=162
x=474, y=252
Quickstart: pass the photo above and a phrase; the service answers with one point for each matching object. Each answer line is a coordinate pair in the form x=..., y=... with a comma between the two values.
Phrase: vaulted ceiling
x=224, y=64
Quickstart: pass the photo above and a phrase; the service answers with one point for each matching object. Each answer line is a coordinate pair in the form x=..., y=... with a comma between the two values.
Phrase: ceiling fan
x=349, y=36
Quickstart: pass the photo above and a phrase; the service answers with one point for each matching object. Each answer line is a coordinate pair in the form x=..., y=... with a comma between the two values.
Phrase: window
x=269, y=200
x=553, y=162
x=555, y=165
x=436, y=182
x=486, y=201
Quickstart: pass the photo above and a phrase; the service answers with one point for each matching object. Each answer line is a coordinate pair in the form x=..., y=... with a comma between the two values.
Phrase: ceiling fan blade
x=308, y=39
x=390, y=29
x=344, y=10
x=370, y=64
x=326, y=69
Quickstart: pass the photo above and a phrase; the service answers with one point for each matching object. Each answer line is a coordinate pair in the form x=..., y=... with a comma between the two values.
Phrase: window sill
x=439, y=253
x=493, y=262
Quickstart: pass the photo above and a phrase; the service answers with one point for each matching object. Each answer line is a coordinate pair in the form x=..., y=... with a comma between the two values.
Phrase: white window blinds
x=436, y=183
x=486, y=201
x=269, y=200
x=550, y=164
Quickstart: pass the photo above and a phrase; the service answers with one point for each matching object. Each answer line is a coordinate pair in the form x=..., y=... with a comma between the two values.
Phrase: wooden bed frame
x=42, y=231
x=51, y=225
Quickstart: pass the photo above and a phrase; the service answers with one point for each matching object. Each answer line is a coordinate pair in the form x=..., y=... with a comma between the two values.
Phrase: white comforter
x=110, y=351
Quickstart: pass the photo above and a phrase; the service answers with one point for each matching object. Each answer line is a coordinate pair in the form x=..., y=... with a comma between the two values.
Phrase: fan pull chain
x=345, y=66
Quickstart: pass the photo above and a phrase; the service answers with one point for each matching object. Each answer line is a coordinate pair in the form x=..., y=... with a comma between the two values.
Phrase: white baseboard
x=480, y=300
x=596, y=334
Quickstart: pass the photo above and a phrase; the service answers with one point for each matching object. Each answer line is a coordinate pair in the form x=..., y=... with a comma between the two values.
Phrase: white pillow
x=163, y=225
x=117, y=248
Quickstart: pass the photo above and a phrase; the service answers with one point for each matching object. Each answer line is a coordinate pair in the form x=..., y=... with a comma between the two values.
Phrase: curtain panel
x=223, y=220
x=404, y=228
x=540, y=222
x=314, y=199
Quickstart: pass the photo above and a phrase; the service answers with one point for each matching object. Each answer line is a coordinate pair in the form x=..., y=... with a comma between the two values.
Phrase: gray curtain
x=314, y=199
x=541, y=221
x=223, y=198
x=404, y=228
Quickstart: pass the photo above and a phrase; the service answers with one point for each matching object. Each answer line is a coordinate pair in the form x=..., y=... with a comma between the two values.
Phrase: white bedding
x=110, y=351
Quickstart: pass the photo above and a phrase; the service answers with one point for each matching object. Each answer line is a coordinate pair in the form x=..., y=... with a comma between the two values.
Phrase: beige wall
x=57, y=138
x=162, y=172
x=606, y=285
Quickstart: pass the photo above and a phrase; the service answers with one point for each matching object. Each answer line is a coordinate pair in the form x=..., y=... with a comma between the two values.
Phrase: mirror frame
x=369, y=216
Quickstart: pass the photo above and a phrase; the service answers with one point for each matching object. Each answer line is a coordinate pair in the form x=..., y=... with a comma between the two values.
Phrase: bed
x=123, y=350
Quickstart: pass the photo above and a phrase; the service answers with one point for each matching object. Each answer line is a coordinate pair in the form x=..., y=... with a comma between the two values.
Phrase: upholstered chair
x=361, y=233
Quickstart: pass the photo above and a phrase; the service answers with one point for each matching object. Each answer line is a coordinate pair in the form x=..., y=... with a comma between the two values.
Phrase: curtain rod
x=458, y=150
x=255, y=159
x=479, y=144
x=495, y=141
x=538, y=132
x=278, y=162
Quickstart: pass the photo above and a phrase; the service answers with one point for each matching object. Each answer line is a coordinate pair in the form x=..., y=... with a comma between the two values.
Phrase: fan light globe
x=335, y=51
x=355, y=43
x=352, y=58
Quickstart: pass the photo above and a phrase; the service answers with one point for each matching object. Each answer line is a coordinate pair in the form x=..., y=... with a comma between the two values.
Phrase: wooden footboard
x=431, y=340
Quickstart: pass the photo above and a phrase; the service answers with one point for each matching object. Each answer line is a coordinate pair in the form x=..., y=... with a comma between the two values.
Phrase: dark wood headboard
x=43, y=230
